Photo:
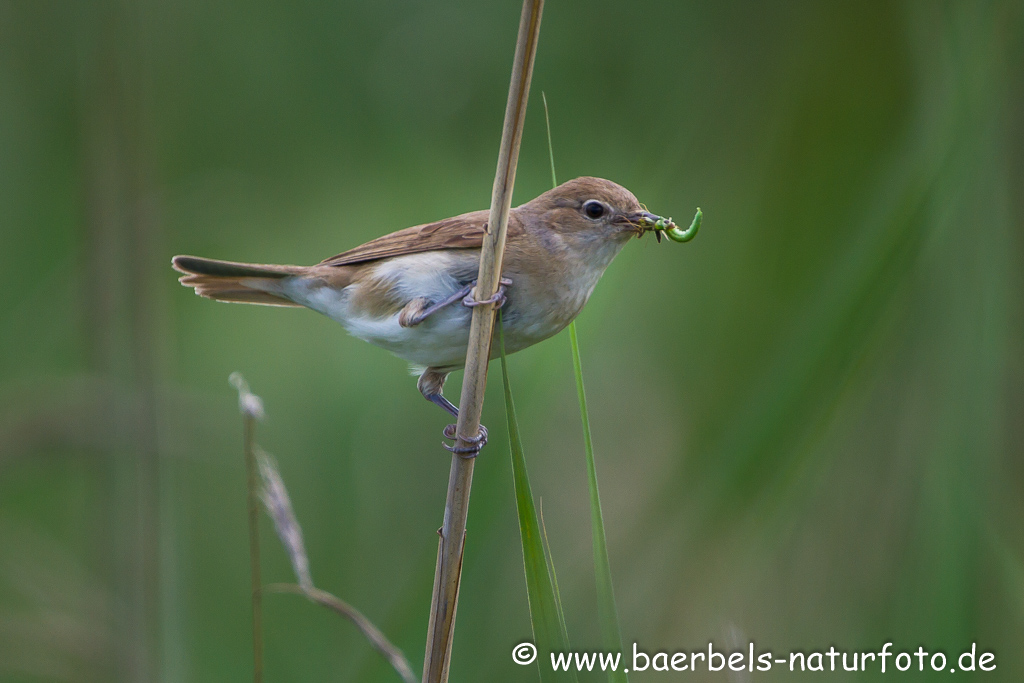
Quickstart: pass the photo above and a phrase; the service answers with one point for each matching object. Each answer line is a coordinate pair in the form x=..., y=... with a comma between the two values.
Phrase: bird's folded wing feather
x=460, y=232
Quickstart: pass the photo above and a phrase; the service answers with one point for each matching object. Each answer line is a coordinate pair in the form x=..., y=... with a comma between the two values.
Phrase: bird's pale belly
x=441, y=339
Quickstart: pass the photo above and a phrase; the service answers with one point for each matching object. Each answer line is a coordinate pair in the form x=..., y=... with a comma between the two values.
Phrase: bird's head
x=589, y=210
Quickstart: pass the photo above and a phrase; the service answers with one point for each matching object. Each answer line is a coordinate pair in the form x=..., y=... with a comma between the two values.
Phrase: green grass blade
x=611, y=637
x=608, y=616
x=551, y=568
x=545, y=610
x=551, y=147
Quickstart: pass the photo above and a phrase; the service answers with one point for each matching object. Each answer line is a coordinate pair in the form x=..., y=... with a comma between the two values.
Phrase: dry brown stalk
x=252, y=410
x=448, y=572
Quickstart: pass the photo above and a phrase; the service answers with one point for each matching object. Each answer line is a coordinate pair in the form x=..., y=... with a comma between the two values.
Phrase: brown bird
x=406, y=291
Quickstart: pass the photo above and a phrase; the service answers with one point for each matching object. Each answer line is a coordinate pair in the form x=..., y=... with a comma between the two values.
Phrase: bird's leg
x=418, y=310
x=444, y=404
x=430, y=384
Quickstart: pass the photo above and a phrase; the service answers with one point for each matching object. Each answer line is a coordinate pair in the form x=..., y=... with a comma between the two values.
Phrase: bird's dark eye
x=593, y=209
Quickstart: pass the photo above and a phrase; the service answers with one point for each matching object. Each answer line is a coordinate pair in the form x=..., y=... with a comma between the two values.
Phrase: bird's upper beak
x=644, y=221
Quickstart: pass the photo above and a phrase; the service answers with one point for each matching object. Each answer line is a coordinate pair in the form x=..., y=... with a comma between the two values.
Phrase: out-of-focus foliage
x=836, y=458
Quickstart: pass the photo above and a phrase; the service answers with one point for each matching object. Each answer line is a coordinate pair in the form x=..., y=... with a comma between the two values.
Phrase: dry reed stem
x=448, y=572
x=254, y=549
x=252, y=410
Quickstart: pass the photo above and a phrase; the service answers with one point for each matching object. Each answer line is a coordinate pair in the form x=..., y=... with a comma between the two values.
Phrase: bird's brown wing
x=460, y=232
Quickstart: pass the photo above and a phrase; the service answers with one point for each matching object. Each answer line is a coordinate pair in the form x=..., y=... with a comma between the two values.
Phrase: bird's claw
x=498, y=298
x=476, y=443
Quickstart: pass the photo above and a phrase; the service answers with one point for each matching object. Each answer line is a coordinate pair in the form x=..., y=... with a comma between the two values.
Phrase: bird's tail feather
x=249, y=283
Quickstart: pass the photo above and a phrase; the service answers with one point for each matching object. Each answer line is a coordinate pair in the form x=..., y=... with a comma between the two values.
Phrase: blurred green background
x=807, y=421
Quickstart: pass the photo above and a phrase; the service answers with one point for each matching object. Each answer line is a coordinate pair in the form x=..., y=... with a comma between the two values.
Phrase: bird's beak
x=644, y=221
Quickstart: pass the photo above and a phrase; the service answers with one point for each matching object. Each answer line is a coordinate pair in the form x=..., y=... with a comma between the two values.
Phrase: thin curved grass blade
x=608, y=616
x=546, y=614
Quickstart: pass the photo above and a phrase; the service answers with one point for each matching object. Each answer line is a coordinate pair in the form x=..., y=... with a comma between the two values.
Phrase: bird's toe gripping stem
x=476, y=443
x=498, y=299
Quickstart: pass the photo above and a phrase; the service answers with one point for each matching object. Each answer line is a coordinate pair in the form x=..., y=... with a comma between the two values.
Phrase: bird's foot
x=498, y=298
x=421, y=308
x=451, y=431
x=475, y=444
